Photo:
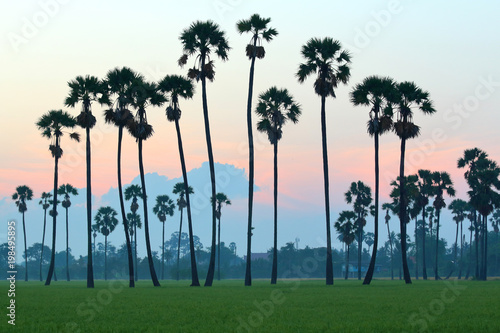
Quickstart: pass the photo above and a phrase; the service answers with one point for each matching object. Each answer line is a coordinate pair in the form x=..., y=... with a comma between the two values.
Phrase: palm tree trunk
x=347, y=263
x=485, y=248
x=67, y=247
x=436, y=276
x=90, y=269
x=163, y=252
x=105, y=258
x=462, y=236
x=194, y=270
x=402, y=212
x=211, y=265
x=360, y=249
x=424, y=266
x=274, y=274
x=248, y=270
x=476, y=236
x=152, y=271
x=329, y=262
x=454, y=255
x=371, y=267
x=470, y=256
x=135, y=252
x=131, y=282
x=179, y=246
x=392, y=259
x=416, y=248
x=54, y=219
x=25, y=252
x=43, y=241
x=218, y=248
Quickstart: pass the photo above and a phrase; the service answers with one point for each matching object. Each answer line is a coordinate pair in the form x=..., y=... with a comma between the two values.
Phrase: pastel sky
x=452, y=51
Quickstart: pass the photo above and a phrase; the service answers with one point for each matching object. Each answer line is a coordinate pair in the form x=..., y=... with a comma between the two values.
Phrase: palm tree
x=23, y=193
x=458, y=208
x=87, y=90
x=361, y=196
x=389, y=207
x=106, y=222
x=425, y=190
x=134, y=222
x=133, y=192
x=119, y=83
x=144, y=94
x=45, y=205
x=164, y=206
x=67, y=190
x=180, y=189
x=203, y=38
x=345, y=228
x=409, y=96
x=52, y=125
x=275, y=108
x=379, y=93
x=257, y=26
x=441, y=181
x=326, y=58
x=220, y=199
x=177, y=86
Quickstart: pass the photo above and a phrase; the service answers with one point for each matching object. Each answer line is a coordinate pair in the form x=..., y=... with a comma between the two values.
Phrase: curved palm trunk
x=211, y=265
x=135, y=252
x=402, y=213
x=424, y=267
x=274, y=274
x=194, y=270
x=347, y=263
x=105, y=258
x=436, y=276
x=90, y=269
x=43, y=241
x=25, y=252
x=67, y=247
x=248, y=271
x=54, y=219
x=131, y=283
x=179, y=246
x=163, y=252
x=152, y=271
x=218, y=248
x=371, y=267
x=329, y=262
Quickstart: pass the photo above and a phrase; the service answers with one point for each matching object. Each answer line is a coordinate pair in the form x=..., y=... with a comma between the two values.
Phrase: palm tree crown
x=164, y=206
x=258, y=27
x=177, y=86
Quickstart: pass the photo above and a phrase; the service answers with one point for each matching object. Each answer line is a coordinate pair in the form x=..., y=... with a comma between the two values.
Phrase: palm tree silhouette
x=220, y=199
x=275, y=108
x=389, y=207
x=326, y=58
x=134, y=222
x=52, y=125
x=177, y=86
x=23, y=193
x=458, y=208
x=257, y=26
x=106, y=223
x=44, y=201
x=164, y=206
x=425, y=190
x=345, y=228
x=67, y=190
x=203, y=38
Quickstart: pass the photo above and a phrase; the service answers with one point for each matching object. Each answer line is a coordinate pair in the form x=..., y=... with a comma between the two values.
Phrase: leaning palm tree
x=87, y=90
x=379, y=93
x=106, y=223
x=52, y=125
x=275, y=108
x=119, y=83
x=180, y=189
x=178, y=86
x=345, y=228
x=164, y=206
x=144, y=94
x=220, y=199
x=201, y=39
x=45, y=205
x=23, y=193
x=441, y=181
x=409, y=97
x=325, y=58
x=257, y=26
x=134, y=222
x=425, y=191
x=67, y=190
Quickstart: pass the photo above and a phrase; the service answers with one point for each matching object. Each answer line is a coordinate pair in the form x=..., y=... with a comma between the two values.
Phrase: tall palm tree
x=458, y=208
x=164, y=206
x=106, y=223
x=257, y=26
x=389, y=207
x=119, y=82
x=52, y=125
x=45, y=205
x=220, y=199
x=275, y=108
x=87, y=90
x=134, y=222
x=441, y=181
x=67, y=190
x=345, y=228
x=23, y=193
x=409, y=97
x=180, y=189
x=178, y=86
x=360, y=195
x=379, y=93
x=325, y=58
x=144, y=94
x=425, y=191
x=201, y=39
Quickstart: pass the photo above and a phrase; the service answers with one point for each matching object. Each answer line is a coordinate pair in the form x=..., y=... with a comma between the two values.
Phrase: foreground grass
x=228, y=306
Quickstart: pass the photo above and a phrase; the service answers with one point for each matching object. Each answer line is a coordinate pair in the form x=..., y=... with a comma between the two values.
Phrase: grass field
x=228, y=306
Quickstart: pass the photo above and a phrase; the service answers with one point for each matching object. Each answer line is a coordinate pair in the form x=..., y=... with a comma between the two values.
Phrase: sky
x=451, y=51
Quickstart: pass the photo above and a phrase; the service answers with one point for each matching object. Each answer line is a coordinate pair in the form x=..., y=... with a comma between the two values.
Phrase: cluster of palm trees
x=127, y=96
